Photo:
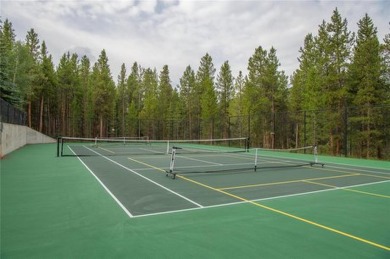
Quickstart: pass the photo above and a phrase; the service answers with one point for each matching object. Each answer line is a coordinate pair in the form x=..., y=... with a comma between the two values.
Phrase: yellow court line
x=347, y=189
x=285, y=182
x=376, y=176
x=148, y=165
x=288, y=214
x=272, y=209
x=349, y=173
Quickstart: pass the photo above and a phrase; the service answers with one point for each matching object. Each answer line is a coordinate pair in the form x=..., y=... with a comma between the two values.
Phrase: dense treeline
x=338, y=98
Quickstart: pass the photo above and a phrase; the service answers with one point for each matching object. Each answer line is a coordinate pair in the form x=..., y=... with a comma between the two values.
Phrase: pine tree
x=188, y=95
x=320, y=85
x=206, y=100
x=69, y=95
x=104, y=95
x=165, y=108
x=48, y=82
x=32, y=43
x=122, y=100
x=8, y=88
x=149, y=112
x=225, y=91
x=385, y=53
x=385, y=77
x=340, y=45
x=87, y=102
x=265, y=92
x=136, y=95
x=238, y=118
x=275, y=91
x=366, y=88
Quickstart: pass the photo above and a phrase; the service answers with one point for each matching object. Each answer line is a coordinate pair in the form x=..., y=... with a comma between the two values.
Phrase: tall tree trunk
x=29, y=113
x=41, y=114
x=101, y=126
x=63, y=122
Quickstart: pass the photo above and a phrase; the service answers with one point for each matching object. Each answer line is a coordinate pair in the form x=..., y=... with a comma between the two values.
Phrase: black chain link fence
x=362, y=132
x=12, y=115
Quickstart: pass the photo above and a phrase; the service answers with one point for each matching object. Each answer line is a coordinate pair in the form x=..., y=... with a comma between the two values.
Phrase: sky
x=179, y=33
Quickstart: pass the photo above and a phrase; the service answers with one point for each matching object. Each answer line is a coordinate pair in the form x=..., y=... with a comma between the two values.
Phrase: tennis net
x=71, y=146
x=254, y=160
x=294, y=157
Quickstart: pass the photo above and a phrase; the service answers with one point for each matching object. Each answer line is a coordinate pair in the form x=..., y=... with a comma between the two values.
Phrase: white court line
x=212, y=206
x=149, y=180
x=105, y=187
x=105, y=149
x=262, y=199
x=215, y=165
x=357, y=168
x=199, y=160
x=153, y=151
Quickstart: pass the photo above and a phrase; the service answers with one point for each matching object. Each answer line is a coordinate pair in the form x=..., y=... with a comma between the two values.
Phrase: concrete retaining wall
x=16, y=136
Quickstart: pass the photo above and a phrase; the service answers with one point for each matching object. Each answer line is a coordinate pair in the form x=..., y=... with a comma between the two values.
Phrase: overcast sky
x=180, y=32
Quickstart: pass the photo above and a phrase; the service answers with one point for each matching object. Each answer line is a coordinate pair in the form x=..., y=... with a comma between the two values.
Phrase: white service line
x=140, y=175
x=105, y=187
x=198, y=160
x=262, y=199
x=358, y=168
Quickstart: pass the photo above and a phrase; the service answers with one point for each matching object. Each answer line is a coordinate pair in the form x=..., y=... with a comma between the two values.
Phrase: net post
x=168, y=147
x=62, y=146
x=256, y=158
x=172, y=164
x=315, y=154
x=58, y=145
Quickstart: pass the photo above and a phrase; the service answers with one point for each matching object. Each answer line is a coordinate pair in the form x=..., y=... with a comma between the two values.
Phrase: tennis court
x=241, y=203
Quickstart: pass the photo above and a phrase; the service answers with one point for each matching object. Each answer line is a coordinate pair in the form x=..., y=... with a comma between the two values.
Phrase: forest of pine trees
x=338, y=98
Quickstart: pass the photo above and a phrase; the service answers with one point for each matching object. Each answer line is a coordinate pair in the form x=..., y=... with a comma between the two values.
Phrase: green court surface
x=124, y=206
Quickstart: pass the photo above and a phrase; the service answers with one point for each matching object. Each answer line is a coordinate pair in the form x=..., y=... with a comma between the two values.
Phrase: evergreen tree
x=165, y=107
x=320, y=85
x=238, y=118
x=205, y=97
x=8, y=88
x=265, y=91
x=304, y=94
x=340, y=45
x=176, y=116
x=366, y=88
x=189, y=95
x=21, y=73
x=69, y=95
x=385, y=53
x=87, y=95
x=32, y=43
x=136, y=95
x=122, y=100
x=103, y=95
x=275, y=91
x=149, y=110
x=225, y=92
x=385, y=110
x=48, y=90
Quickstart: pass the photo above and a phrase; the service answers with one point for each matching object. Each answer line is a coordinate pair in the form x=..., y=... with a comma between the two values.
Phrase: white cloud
x=179, y=32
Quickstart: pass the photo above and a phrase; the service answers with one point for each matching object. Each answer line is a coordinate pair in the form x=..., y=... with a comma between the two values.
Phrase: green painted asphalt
x=54, y=208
